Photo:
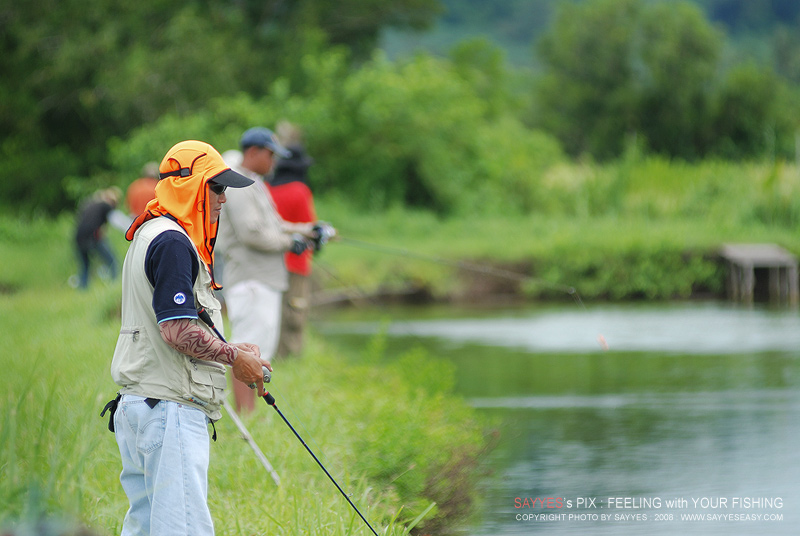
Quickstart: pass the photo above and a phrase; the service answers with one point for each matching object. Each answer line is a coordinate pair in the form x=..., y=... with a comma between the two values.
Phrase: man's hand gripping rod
x=205, y=317
x=270, y=400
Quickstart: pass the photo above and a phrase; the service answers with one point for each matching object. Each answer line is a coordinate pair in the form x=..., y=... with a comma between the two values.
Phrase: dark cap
x=263, y=137
x=196, y=158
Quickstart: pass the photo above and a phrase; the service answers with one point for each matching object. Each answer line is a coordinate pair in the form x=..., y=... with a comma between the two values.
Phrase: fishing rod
x=205, y=317
x=270, y=400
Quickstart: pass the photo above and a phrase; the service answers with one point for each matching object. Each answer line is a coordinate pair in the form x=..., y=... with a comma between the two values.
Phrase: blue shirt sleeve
x=171, y=265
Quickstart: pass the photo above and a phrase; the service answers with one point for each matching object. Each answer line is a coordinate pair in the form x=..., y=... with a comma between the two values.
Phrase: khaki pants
x=296, y=303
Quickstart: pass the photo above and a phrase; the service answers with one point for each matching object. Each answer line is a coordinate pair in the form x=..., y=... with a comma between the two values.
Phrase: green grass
x=642, y=228
x=398, y=442
x=385, y=439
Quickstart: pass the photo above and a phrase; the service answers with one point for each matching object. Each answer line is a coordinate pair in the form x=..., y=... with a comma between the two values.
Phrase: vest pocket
x=207, y=383
x=131, y=356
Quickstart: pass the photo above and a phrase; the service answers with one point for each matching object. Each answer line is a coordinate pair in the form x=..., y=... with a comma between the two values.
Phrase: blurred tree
x=615, y=68
x=588, y=96
x=756, y=115
x=750, y=15
x=679, y=52
x=75, y=72
x=786, y=47
x=483, y=66
x=516, y=20
x=357, y=23
x=412, y=133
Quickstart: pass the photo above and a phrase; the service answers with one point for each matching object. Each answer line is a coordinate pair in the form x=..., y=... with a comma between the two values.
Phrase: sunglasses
x=218, y=189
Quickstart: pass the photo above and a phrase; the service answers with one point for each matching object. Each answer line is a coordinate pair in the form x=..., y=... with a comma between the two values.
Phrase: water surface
x=687, y=424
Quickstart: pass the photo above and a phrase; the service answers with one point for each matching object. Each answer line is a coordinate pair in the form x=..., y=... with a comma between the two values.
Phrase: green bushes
x=675, y=89
x=410, y=134
x=657, y=271
x=102, y=94
x=644, y=228
x=384, y=431
x=410, y=438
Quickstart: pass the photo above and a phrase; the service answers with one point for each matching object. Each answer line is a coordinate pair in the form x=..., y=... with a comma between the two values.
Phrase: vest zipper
x=133, y=332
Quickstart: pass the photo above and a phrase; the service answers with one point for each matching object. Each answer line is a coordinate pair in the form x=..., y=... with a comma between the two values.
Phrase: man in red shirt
x=142, y=190
x=295, y=203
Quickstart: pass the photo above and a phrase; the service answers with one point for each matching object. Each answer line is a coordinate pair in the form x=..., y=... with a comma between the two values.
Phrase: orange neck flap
x=185, y=199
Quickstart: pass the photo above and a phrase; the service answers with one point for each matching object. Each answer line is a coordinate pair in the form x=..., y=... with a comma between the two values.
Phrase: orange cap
x=197, y=159
x=182, y=193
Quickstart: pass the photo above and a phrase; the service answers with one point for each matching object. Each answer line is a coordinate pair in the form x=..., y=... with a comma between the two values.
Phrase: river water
x=686, y=424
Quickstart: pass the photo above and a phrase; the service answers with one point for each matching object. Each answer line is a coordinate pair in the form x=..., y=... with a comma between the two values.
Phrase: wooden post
x=748, y=283
x=775, y=284
x=780, y=265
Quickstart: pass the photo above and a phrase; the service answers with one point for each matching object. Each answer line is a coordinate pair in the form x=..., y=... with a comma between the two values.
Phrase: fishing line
x=477, y=268
x=468, y=266
x=353, y=292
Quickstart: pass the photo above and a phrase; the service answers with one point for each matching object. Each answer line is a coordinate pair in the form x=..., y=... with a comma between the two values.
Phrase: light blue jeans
x=165, y=453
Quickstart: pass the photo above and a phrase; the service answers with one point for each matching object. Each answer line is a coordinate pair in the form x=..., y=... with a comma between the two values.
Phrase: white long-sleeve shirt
x=252, y=237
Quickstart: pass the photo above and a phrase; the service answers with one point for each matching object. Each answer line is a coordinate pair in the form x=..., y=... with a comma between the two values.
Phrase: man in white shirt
x=253, y=239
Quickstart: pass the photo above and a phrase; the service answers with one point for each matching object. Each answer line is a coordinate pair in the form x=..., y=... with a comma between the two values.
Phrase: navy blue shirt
x=171, y=266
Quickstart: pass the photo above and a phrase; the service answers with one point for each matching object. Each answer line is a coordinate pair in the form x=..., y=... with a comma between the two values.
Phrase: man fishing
x=170, y=366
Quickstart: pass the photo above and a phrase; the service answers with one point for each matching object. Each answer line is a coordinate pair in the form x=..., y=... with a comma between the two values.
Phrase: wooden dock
x=746, y=262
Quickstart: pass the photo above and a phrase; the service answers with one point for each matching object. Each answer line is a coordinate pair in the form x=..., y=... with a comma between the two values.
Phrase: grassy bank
x=389, y=439
x=641, y=228
x=638, y=228
x=391, y=434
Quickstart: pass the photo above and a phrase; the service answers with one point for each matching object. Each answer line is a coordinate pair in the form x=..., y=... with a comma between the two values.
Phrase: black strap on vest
x=111, y=407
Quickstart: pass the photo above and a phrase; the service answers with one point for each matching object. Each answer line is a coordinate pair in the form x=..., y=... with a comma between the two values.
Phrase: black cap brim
x=231, y=179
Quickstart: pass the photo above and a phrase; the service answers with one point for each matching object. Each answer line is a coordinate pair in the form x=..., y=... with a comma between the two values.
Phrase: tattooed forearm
x=188, y=338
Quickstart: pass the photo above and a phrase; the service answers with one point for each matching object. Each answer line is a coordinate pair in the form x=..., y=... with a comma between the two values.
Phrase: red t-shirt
x=295, y=204
x=140, y=192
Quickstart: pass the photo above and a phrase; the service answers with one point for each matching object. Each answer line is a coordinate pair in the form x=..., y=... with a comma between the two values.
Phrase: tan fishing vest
x=143, y=363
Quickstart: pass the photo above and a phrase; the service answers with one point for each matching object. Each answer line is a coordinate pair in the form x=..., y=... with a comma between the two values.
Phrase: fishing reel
x=322, y=233
x=267, y=376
